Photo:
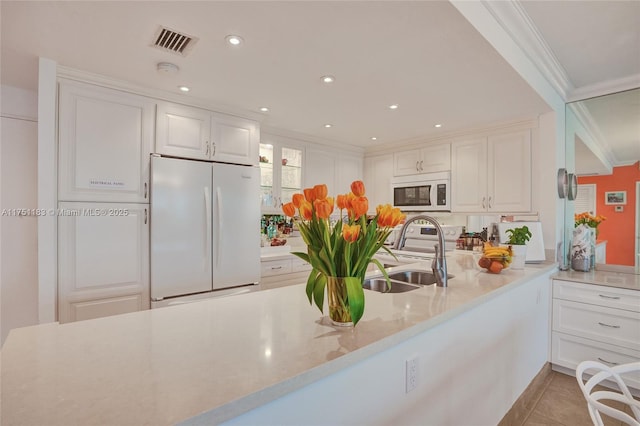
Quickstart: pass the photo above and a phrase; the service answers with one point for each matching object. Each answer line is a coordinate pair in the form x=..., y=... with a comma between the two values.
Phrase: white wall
x=471, y=370
x=18, y=190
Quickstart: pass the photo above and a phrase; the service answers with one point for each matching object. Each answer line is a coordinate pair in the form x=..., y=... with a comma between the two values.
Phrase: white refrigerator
x=204, y=228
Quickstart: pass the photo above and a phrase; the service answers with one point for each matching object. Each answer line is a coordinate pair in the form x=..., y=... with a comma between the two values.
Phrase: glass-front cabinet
x=280, y=174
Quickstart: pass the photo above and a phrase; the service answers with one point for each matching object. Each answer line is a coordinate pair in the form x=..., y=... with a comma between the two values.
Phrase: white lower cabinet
x=282, y=272
x=598, y=323
x=103, y=259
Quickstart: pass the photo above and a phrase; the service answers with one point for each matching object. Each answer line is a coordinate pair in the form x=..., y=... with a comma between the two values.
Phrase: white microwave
x=422, y=193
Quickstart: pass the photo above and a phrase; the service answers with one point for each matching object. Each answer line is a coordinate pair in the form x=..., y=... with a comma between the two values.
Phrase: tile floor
x=562, y=404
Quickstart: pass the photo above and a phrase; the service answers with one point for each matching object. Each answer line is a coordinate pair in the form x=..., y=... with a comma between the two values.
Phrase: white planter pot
x=519, y=256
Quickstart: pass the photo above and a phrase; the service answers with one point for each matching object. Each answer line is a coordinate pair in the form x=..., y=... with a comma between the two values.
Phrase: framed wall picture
x=615, y=198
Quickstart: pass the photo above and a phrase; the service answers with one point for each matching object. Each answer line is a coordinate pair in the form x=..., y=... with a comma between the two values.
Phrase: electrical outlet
x=412, y=374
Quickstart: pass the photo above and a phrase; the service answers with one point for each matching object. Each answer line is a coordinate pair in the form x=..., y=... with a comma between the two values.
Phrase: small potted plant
x=517, y=239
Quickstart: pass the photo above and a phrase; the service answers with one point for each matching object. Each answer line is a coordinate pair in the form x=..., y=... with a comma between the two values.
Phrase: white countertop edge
x=607, y=278
x=254, y=400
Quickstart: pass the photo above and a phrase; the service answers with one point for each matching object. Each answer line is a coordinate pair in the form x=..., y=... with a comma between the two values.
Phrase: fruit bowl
x=495, y=259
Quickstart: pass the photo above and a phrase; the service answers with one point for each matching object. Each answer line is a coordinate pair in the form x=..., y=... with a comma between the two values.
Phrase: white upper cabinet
x=378, y=172
x=335, y=169
x=321, y=168
x=188, y=132
x=104, y=140
x=435, y=158
x=234, y=140
x=492, y=174
x=350, y=168
x=183, y=131
x=509, y=172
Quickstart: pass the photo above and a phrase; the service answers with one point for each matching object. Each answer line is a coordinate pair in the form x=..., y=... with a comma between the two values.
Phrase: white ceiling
x=422, y=55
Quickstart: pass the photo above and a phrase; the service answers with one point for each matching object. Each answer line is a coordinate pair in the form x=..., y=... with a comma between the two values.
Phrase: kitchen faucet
x=439, y=263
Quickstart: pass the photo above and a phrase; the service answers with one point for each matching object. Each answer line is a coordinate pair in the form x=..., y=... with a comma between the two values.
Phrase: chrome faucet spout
x=439, y=263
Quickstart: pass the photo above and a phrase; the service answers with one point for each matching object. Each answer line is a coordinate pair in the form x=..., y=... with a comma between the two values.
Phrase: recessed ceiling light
x=327, y=125
x=373, y=138
x=394, y=106
x=438, y=125
x=183, y=88
x=264, y=109
x=328, y=79
x=234, y=40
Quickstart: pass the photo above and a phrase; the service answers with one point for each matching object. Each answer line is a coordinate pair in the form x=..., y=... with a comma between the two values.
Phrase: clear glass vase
x=338, y=302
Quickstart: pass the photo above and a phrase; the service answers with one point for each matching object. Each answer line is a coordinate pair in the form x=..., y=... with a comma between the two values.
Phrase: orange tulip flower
x=309, y=194
x=323, y=208
x=359, y=206
x=289, y=209
x=306, y=210
x=341, y=201
x=297, y=200
x=320, y=191
x=350, y=232
x=357, y=187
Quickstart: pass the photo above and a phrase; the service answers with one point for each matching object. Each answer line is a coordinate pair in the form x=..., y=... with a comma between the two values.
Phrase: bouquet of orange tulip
x=341, y=250
x=588, y=219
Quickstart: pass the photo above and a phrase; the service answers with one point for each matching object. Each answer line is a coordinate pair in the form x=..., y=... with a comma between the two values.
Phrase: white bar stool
x=603, y=372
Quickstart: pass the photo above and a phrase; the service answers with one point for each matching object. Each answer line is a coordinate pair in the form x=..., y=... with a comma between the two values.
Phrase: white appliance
x=419, y=243
x=204, y=219
x=424, y=193
x=535, y=246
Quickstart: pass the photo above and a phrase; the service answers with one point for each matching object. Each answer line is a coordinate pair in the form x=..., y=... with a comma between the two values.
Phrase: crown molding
x=112, y=83
x=595, y=141
x=527, y=123
x=605, y=88
x=309, y=140
x=517, y=23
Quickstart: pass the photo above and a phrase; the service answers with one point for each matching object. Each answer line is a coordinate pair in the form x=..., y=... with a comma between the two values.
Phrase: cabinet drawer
x=614, y=326
x=569, y=351
x=275, y=267
x=597, y=295
x=299, y=265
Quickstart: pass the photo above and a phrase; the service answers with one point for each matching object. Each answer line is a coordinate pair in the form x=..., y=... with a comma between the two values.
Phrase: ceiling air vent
x=173, y=41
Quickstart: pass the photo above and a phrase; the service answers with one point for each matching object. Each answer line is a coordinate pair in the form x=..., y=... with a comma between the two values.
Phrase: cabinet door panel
x=183, y=131
x=406, y=162
x=510, y=175
x=349, y=170
x=104, y=143
x=321, y=168
x=103, y=252
x=469, y=176
x=90, y=309
x=235, y=140
x=378, y=172
x=435, y=159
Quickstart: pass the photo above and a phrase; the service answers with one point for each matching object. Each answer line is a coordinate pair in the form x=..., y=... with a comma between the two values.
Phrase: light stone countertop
x=222, y=356
x=609, y=278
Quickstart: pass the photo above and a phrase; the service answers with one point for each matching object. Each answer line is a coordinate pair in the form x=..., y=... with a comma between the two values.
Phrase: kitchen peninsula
x=249, y=358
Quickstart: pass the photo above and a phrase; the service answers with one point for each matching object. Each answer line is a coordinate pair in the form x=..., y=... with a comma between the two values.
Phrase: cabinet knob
x=484, y=205
x=421, y=165
x=145, y=190
x=489, y=202
x=207, y=148
x=145, y=216
x=417, y=166
x=213, y=149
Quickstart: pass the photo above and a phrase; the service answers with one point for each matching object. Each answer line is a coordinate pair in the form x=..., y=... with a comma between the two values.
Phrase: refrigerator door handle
x=219, y=217
x=207, y=212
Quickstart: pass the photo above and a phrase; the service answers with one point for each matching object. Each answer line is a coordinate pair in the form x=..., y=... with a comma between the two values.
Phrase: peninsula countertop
x=604, y=277
x=222, y=356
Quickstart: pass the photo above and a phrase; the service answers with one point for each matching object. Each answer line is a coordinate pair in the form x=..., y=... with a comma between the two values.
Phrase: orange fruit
x=496, y=267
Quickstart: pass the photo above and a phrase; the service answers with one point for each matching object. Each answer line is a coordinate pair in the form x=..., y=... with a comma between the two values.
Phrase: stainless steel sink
x=415, y=277
x=380, y=285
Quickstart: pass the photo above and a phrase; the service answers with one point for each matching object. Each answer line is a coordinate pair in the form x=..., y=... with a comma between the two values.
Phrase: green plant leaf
x=318, y=291
x=384, y=273
x=303, y=256
x=355, y=294
x=311, y=281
